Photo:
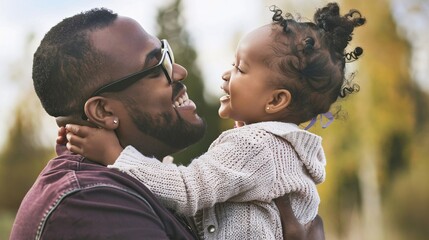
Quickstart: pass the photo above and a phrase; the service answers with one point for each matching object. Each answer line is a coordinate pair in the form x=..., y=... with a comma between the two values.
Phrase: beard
x=176, y=133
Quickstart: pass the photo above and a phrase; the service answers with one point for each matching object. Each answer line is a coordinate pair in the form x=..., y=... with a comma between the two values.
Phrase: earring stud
x=268, y=108
x=115, y=121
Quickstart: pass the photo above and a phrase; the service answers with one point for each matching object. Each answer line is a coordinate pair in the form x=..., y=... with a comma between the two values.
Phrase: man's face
x=155, y=116
x=170, y=127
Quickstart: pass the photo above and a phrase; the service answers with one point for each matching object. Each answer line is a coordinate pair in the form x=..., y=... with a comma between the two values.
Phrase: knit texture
x=230, y=188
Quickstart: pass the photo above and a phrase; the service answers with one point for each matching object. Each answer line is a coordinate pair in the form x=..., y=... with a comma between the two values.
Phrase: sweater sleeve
x=235, y=168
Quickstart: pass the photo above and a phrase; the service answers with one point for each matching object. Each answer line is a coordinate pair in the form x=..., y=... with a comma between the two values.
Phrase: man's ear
x=101, y=112
x=279, y=100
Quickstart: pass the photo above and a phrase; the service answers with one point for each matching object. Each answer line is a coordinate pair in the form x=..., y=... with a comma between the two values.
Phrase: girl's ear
x=279, y=100
x=100, y=111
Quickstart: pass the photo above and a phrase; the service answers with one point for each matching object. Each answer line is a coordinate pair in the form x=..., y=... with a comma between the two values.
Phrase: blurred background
x=377, y=172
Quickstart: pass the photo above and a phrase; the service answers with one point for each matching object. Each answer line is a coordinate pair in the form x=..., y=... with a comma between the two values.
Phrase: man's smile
x=182, y=100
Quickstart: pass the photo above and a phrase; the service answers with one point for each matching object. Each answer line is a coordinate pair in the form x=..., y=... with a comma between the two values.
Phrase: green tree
x=377, y=153
x=362, y=148
x=374, y=152
x=24, y=155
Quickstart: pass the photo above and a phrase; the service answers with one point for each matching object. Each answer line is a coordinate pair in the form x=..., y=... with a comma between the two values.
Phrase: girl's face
x=247, y=84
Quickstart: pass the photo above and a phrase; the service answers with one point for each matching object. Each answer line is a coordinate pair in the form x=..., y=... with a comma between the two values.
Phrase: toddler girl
x=284, y=74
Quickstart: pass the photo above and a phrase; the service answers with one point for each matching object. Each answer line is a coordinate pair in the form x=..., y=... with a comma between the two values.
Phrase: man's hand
x=315, y=231
x=292, y=229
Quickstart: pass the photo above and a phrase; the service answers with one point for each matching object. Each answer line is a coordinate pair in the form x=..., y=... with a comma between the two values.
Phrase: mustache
x=177, y=87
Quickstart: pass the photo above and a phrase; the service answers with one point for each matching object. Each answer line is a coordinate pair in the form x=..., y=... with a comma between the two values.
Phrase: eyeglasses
x=166, y=64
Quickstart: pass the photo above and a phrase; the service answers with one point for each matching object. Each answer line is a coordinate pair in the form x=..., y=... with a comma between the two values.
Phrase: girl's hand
x=239, y=124
x=61, y=138
x=99, y=145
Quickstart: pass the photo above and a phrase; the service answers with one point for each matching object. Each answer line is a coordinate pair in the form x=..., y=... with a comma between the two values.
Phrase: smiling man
x=100, y=68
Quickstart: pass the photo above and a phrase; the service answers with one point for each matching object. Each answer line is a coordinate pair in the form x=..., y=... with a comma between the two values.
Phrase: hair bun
x=308, y=45
x=338, y=28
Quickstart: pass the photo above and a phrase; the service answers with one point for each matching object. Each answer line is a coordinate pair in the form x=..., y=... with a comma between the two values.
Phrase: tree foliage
x=376, y=154
x=23, y=157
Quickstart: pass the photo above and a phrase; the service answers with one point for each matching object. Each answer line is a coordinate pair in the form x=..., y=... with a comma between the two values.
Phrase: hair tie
x=327, y=115
x=353, y=56
x=308, y=45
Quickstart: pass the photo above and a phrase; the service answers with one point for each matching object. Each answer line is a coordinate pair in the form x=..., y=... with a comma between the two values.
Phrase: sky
x=412, y=17
x=213, y=26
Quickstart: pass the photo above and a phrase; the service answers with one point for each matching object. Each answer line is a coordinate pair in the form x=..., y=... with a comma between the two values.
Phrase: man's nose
x=179, y=72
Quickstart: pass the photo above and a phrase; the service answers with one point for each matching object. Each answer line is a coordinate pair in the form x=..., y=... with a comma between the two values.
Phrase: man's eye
x=155, y=72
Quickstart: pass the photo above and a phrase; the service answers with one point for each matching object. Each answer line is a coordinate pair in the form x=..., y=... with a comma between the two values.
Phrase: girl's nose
x=226, y=75
x=179, y=72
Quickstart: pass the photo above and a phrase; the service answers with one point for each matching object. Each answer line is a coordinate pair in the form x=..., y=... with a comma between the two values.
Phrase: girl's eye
x=237, y=67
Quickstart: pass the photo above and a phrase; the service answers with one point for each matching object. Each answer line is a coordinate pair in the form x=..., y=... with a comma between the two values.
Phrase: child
x=284, y=74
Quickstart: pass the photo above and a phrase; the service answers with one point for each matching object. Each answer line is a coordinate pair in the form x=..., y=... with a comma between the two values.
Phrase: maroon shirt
x=74, y=198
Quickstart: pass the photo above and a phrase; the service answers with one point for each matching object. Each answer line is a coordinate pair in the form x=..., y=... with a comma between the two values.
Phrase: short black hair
x=66, y=68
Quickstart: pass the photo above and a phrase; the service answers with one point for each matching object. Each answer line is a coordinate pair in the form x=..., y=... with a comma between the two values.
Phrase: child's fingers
x=75, y=139
x=61, y=131
x=78, y=130
x=61, y=138
x=72, y=128
x=75, y=143
x=74, y=148
x=239, y=124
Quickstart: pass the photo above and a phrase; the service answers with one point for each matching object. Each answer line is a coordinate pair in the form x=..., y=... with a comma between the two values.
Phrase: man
x=78, y=74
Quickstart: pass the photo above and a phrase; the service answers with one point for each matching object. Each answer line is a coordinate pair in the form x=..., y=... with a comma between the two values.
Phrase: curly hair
x=65, y=66
x=311, y=58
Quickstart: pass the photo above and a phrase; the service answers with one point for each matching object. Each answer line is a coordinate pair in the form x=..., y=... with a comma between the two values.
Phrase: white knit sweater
x=230, y=188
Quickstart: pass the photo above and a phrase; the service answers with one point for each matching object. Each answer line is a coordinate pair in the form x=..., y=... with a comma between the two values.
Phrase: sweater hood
x=307, y=145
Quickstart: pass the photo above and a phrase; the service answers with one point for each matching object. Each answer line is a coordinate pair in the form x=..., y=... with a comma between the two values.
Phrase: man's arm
x=316, y=231
x=292, y=229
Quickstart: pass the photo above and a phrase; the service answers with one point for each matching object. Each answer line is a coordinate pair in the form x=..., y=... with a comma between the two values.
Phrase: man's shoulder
x=79, y=172
x=102, y=211
x=111, y=204
x=68, y=176
x=71, y=190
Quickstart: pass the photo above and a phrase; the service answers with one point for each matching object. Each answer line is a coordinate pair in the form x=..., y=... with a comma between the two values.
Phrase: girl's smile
x=247, y=84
